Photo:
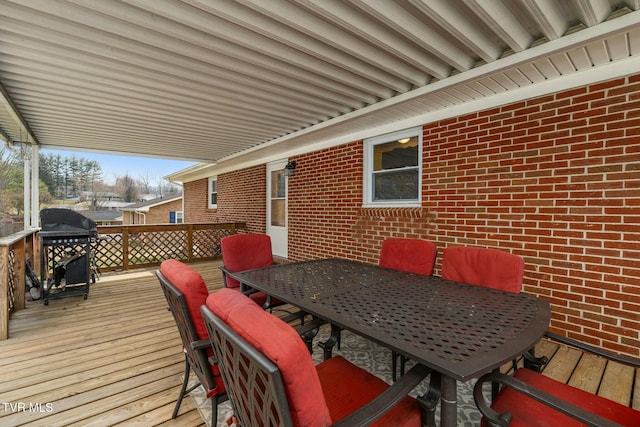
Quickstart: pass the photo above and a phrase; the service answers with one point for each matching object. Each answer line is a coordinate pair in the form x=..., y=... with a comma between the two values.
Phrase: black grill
x=67, y=262
x=61, y=221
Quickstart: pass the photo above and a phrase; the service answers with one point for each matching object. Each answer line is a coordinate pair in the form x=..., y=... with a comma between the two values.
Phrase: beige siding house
x=162, y=210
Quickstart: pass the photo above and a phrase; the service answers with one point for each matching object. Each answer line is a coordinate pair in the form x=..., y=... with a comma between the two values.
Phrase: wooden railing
x=14, y=251
x=119, y=247
x=122, y=247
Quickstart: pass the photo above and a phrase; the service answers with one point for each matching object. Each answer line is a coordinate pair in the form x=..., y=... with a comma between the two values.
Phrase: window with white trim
x=392, y=169
x=176, y=217
x=213, y=192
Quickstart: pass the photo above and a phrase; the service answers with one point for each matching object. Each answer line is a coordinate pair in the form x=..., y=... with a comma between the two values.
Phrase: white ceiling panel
x=219, y=80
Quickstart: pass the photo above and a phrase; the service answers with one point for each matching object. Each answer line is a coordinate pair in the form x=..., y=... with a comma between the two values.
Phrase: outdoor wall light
x=289, y=168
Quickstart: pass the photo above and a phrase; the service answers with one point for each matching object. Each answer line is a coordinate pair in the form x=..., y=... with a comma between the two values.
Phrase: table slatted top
x=457, y=329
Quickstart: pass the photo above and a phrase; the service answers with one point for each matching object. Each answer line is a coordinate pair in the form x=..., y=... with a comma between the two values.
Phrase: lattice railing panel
x=12, y=280
x=108, y=251
x=205, y=244
x=219, y=234
x=143, y=245
x=155, y=247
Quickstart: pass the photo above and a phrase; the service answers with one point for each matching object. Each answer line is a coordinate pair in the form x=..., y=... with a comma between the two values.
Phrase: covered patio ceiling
x=236, y=82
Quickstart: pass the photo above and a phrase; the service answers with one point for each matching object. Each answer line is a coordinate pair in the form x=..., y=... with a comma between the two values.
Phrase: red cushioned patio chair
x=486, y=267
x=411, y=255
x=247, y=251
x=530, y=399
x=490, y=268
x=186, y=291
x=271, y=378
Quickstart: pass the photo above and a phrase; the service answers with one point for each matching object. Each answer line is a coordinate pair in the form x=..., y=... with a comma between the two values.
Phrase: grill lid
x=56, y=219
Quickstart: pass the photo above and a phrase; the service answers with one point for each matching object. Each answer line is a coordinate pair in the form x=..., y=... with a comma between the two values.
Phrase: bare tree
x=11, y=184
x=128, y=188
x=145, y=183
x=4, y=184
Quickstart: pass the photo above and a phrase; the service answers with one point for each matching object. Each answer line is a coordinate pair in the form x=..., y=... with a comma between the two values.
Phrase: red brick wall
x=196, y=196
x=554, y=179
x=242, y=196
x=325, y=196
x=326, y=217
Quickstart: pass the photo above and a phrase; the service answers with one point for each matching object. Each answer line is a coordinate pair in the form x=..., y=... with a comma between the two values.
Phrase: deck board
x=617, y=383
x=115, y=359
x=588, y=372
x=562, y=364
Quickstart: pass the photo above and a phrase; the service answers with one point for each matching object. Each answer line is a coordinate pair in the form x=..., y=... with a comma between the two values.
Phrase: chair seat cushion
x=530, y=413
x=347, y=388
x=192, y=285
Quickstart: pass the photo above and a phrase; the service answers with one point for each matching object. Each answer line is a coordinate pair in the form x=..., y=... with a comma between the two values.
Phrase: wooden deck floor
x=115, y=359
x=612, y=380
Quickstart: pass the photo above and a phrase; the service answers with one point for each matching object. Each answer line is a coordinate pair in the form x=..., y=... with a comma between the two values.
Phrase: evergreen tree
x=69, y=176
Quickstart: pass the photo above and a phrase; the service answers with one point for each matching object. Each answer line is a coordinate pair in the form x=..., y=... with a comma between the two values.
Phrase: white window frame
x=179, y=217
x=369, y=145
x=210, y=191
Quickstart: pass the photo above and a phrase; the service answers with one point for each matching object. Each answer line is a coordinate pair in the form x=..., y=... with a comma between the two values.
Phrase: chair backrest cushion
x=242, y=252
x=410, y=255
x=486, y=267
x=280, y=343
x=192, y=285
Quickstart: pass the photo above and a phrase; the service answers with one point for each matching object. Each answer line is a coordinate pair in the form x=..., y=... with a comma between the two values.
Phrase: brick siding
x=555, y=179
x=196, y=194
x=242, y=197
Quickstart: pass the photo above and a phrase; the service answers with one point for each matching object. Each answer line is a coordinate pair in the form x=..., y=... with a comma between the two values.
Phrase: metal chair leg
x=394, y=366
x=187, y=371
x=533, y=362
x=432, y=398
x=214, y=411
x=495, y=387
x=327, y=346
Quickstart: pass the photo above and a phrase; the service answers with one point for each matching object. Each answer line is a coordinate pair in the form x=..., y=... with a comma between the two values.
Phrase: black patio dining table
x=458, y=330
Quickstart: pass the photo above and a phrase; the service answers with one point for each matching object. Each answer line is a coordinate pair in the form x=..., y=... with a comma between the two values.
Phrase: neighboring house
x=100, y=196
x=162, y=210
x=113, y=205
x=554, y=178
x=104, y=217
x=103, y=200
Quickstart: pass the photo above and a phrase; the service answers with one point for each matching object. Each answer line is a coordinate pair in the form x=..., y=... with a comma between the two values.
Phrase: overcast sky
x=114, y=166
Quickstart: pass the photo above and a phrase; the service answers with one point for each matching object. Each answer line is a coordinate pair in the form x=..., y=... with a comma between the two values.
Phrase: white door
x=277, y=207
